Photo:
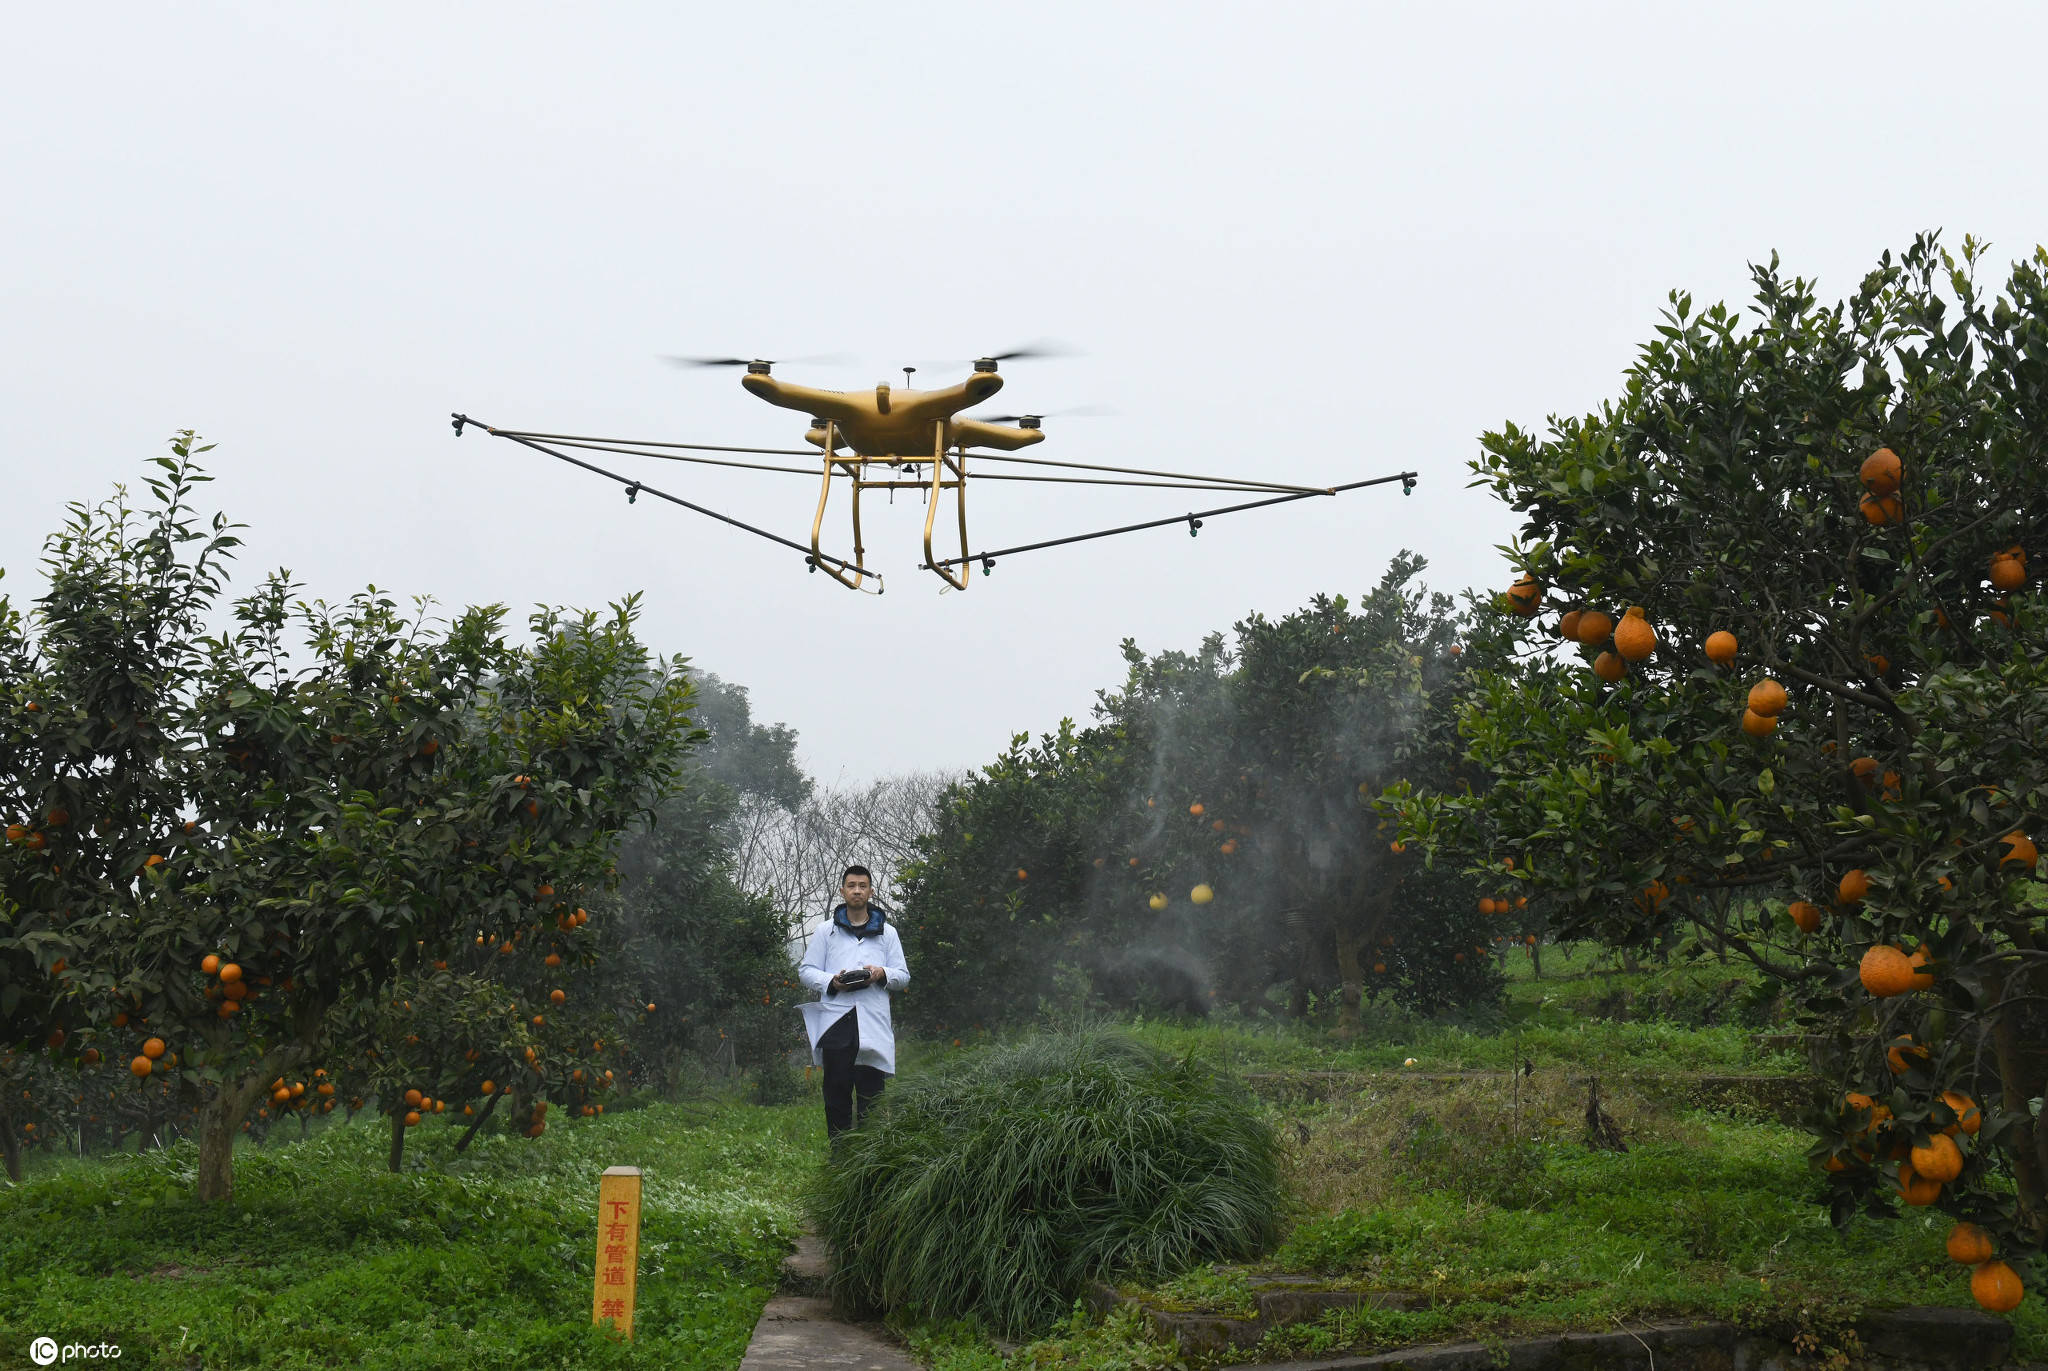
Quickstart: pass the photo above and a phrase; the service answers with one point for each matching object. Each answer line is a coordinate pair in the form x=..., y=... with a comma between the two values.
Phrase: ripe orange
x=558, y=996
x=1486, y=904
x=140, y=1066
x=1923, y=979
x=1022, y=874
x=153, y=1049
x=231, y=973
x=1568, y=625
x=1903, y=1054
x=413, y=1098
x=412, y=1116
x=1806, y=915
x=1885, y=971
x=1758, y=725
x=1634, y=639
x=1881, y=509
x=1853, y=886
x=1526, y=594
x=1969, y=1244
x=1609, y=667
x=1881, y=472
x=1915, y=1189
x=1397, y=848
x=1721, y=647
x=1968, y=1117
x=1994, y=1286
x=1595, y=628
x=2019, y=849
x=1767, y=697
x=488, y=1087
x=1195, y=810
x=2008, y=572
x=1938, y=1159
x=210, y=965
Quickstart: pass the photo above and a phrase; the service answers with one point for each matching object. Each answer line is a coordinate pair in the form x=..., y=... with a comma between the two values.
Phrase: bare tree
x=795, y=856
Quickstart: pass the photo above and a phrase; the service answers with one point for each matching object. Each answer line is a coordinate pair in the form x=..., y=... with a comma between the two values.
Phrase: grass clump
x=1002, y=1184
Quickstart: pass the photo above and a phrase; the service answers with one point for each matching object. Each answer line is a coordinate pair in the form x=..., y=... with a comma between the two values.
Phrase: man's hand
x=881, y=975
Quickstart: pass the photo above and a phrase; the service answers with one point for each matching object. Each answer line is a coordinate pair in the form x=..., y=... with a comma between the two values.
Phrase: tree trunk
x=1352, y=973
x=2019, y=1037
x=10, y=1145
x=478, y=1122
x=1536, y=959
x=397, y=1139
x=220, y=1122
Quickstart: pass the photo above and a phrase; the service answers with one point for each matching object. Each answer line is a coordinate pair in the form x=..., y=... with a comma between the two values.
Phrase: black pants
x=846, y=1084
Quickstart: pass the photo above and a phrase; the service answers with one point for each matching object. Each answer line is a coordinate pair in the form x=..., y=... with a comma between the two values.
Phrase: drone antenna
x=907, y=371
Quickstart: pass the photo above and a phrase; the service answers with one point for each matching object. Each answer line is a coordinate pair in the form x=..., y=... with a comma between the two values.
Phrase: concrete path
x=797, y=1329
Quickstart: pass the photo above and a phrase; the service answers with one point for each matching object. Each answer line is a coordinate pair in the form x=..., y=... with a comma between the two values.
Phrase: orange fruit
x=1969, y=1244
x=1486, y=905
x=140, y=1066
x=1767, y=697
x=1526, y=594
x=1923, y=979
x=1968, y=1117
x=412, y=1116
x=1938, y=1159
x=1853, y=886
x=1994, y=1286
x=488, y=1087
x=1595, y=628
x=1881, y=472
x=1885, y=971
x=1915, y=1189
x=558, y=996
x=1634, y=639
x=1881, y=509
x=413, y=1097
x=1195, y=810
x=1903, y=1054
x=1022, y=874
x=231, y=973
x=2008, y=572
x=2020, y=849
x=153, y=1049
x=1568, y=625
x=1758, y=725
x=1396, y=848
x=1805, y=914
x=1721, y=647
x=1609, y=668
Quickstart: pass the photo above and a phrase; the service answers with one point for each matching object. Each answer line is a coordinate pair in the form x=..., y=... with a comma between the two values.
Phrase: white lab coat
x=833, y=950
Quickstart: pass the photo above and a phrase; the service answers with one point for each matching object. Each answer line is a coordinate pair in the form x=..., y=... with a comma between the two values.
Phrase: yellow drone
x=884, y=439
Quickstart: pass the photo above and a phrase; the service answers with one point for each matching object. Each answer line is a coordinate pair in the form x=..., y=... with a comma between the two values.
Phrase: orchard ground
x=1464, y=1177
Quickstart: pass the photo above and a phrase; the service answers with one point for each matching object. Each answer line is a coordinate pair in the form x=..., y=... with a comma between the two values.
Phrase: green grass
x=1001, y=1185
x=327, y=1259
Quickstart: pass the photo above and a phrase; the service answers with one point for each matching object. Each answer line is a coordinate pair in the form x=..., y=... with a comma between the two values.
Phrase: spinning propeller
x=820, y=359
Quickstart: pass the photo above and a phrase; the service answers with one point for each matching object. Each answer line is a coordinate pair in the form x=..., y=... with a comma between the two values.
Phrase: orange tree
x=1216, y=833
x=1826, y=747
x=259, y=839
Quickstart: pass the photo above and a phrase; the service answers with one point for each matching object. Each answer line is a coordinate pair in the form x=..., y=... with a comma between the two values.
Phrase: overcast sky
x=1309, y=243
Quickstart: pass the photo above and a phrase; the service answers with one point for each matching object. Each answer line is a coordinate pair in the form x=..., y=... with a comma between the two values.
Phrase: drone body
x=895, y=421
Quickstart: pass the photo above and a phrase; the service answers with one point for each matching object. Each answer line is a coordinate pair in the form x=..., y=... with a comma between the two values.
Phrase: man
x=854, y=963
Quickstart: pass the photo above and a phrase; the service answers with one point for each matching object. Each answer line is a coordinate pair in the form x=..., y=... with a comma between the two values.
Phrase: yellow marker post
x=618, y=1248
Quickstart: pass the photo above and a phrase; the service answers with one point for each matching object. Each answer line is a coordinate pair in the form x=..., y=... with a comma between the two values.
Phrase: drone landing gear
x=949, y=472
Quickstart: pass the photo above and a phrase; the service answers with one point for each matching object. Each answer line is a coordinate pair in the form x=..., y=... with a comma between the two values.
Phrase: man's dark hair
x=856, y=871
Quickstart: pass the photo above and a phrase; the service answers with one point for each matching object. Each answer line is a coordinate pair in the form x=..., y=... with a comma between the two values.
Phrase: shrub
x=1000, y=1186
